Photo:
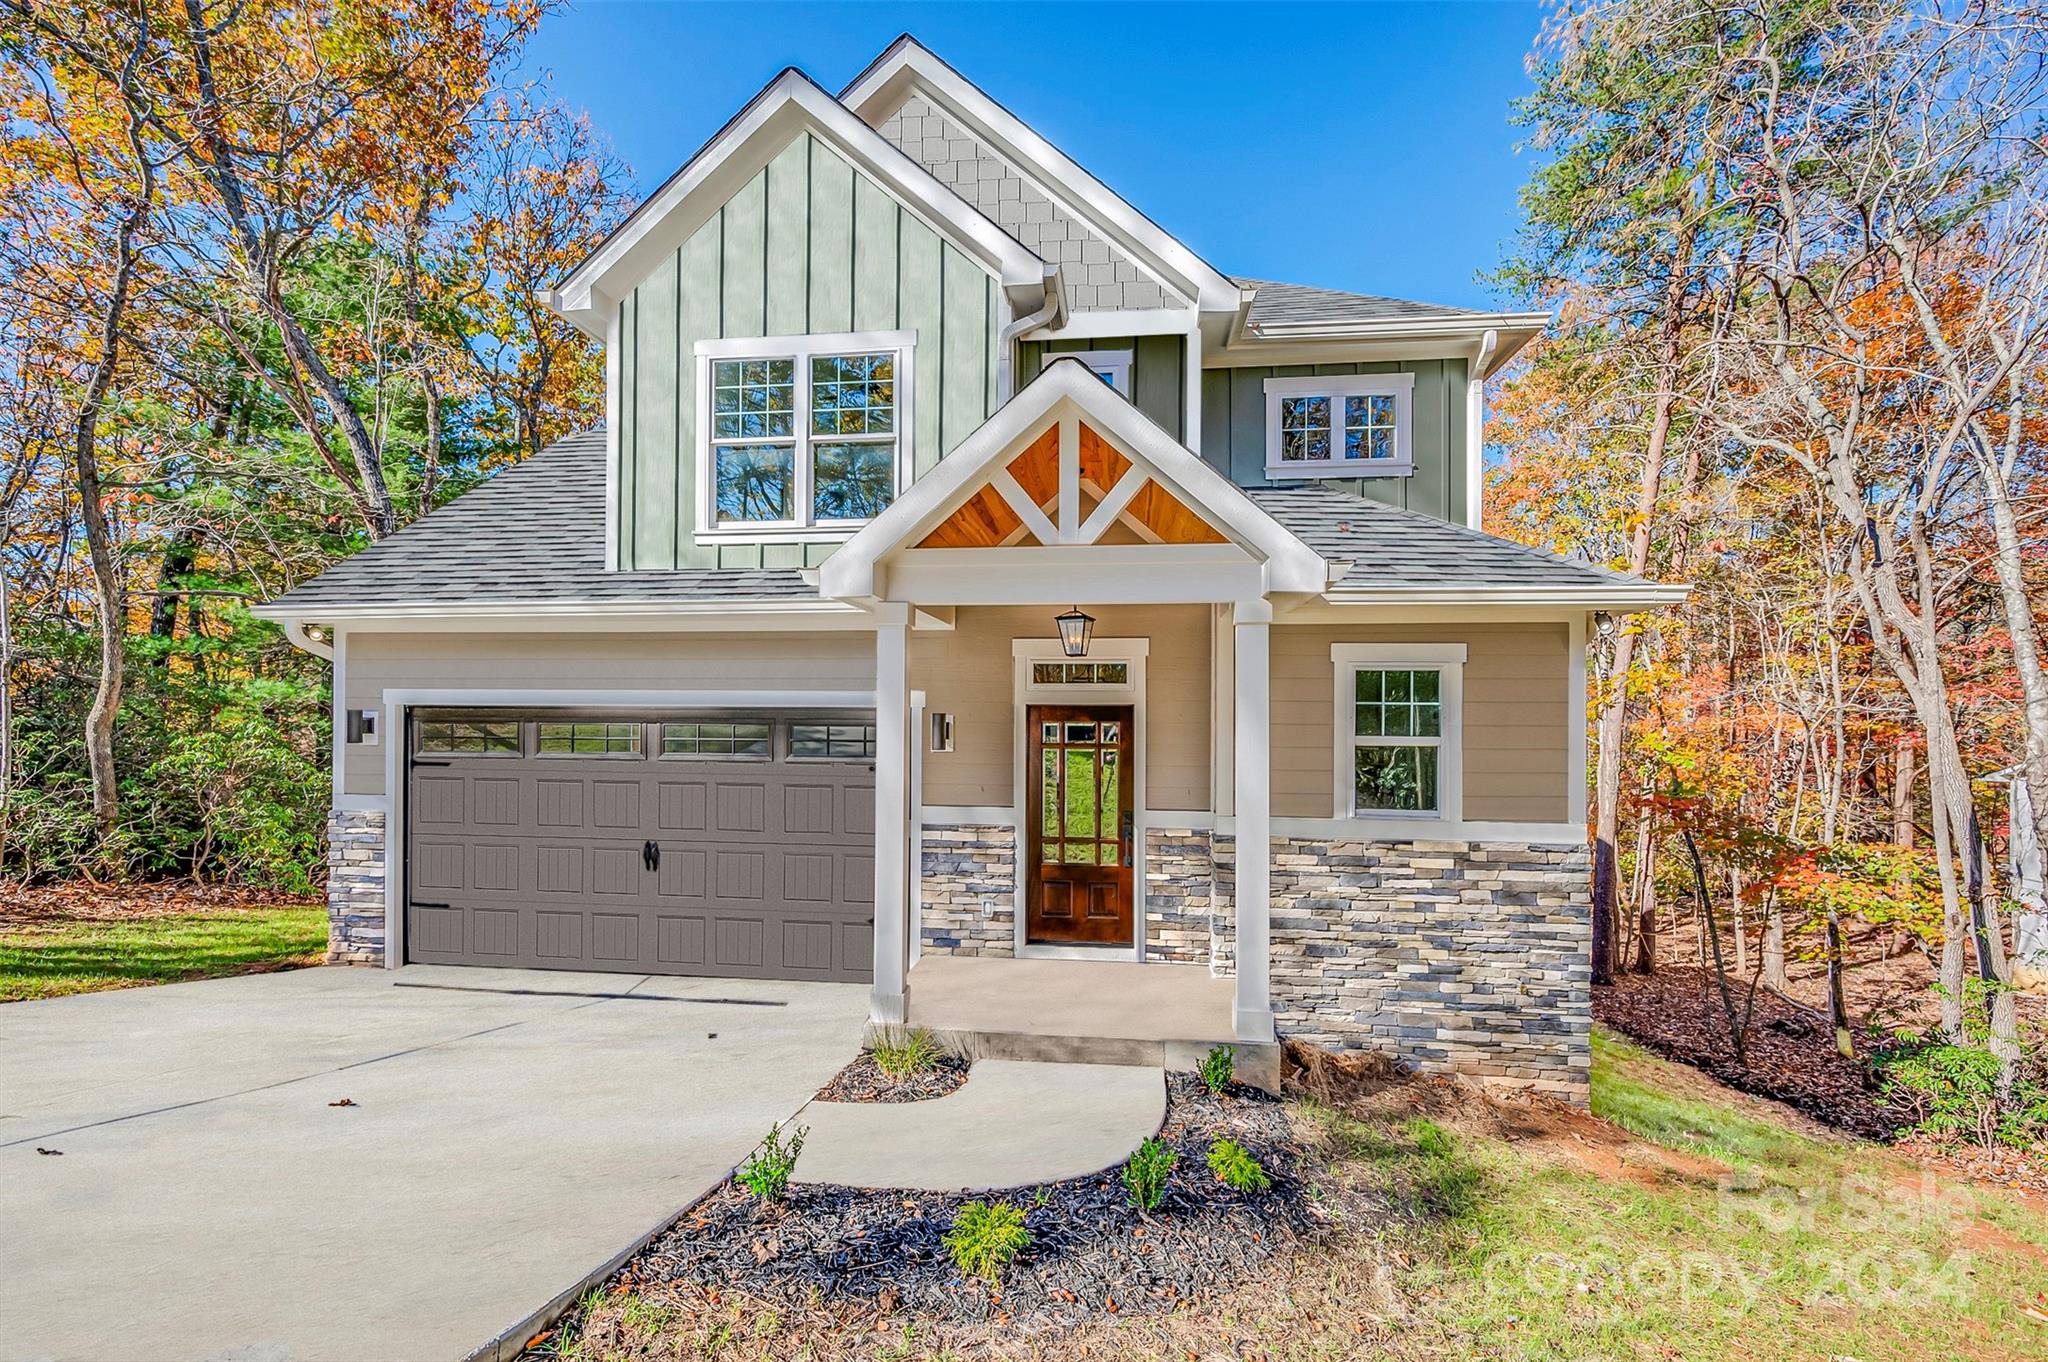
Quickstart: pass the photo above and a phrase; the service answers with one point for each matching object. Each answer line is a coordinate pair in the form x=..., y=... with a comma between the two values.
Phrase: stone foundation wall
x=1182, y=923
x=1469, y=958
x=963, y=869
x=355, y=887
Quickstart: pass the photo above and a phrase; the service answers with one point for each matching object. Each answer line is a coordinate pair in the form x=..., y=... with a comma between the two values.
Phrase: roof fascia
x=781, y=613
x=790, y=103
x=908, y=65
x=1618, y=599
x=1291, y=565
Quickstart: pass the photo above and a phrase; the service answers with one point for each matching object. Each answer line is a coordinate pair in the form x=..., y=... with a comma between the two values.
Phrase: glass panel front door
x=1080, y=867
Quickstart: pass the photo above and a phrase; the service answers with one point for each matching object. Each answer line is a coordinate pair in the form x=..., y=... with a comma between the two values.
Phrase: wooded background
x=271, y=292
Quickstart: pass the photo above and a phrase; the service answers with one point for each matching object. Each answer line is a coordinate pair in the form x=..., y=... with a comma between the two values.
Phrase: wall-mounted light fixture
x=942, y=732
x=1076, y=631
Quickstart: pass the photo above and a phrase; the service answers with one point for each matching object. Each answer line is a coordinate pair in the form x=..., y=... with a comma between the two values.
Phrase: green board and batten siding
x=1234, y=431
x=1155, y=372
x=808, y=246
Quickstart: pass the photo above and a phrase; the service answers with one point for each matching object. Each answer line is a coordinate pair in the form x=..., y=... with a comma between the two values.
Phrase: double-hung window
x=1340, y=426
x=1399, y=716
x=802, y=432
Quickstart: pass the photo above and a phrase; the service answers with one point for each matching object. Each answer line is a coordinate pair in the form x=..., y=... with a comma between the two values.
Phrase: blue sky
x=1363, y=147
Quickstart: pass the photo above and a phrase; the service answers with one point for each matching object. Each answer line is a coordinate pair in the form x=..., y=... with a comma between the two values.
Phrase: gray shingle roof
x=531, y=533
x=1390, y=549
x=1296, y=304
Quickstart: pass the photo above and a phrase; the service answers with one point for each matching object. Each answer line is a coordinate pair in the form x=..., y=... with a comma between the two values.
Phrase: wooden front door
x=1078, y=864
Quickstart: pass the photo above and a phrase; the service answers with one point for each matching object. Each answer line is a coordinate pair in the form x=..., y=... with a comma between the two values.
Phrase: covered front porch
x=1069, y=494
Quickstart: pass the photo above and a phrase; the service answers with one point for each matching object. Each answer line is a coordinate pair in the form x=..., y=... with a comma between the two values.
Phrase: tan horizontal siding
x=374, y=663
x=968, y=673
x=1516, y=730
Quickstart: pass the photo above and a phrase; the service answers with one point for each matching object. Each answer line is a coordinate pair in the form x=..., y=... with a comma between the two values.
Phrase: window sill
x=836, y=533
x=1405, y=815
x=1344, y=468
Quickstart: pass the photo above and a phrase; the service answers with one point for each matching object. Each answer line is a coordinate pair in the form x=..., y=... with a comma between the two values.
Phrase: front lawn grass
x=1686, y=1222
x=51, y=959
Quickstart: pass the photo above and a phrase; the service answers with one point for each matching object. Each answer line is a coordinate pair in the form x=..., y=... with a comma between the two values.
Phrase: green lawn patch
x=50, y=959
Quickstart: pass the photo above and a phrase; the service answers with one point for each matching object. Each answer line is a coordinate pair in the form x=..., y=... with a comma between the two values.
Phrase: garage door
x=731, y=844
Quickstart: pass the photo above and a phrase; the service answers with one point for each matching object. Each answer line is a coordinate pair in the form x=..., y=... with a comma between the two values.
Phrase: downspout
x=1006, y=379
x=1475, y=430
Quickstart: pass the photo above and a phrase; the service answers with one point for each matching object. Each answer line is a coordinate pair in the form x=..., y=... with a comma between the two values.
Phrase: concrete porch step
x=1258, y=1065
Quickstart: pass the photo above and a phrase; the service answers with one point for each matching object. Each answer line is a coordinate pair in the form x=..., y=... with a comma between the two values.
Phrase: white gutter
x=1400, y=328
x=578, y=609
x=1648, y=597
x=1475, y=429
x=301, y=635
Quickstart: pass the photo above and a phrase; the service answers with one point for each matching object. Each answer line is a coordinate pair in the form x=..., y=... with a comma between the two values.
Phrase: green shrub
x=986, y=1237
x=1236, y=1169
x=906, y=1053
x=767, y=1170
x=1953, y=1090
x=1147, y=1171
x=1219, y=1066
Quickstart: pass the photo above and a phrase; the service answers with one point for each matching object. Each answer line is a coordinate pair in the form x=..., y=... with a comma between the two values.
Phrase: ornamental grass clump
x=1236, y=1169
x=767, y=1171
x=1146, y=1173
x=906, y=1053
x=986, y=1238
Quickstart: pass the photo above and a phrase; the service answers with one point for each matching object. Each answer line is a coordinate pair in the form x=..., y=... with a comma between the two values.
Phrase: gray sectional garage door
x=715, y=845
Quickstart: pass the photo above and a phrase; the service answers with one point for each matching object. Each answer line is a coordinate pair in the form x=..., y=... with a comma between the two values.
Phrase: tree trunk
x=1646, y=895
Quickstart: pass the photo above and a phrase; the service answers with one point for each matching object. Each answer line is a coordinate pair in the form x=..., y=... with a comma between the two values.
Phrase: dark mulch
x=1790, y=1052
x=864, y=1081
x=1091, y=1252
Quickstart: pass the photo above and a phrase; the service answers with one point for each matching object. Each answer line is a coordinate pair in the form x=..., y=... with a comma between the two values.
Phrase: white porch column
x=892, y=797
x=1251, y=623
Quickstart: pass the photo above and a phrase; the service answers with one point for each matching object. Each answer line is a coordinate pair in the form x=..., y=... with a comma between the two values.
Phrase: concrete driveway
x=510, y=1132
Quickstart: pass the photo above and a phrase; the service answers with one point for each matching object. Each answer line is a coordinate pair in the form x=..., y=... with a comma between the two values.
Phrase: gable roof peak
x=907, y=66
x=789, y=104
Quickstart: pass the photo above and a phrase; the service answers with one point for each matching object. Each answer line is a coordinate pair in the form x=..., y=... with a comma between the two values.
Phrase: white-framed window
x=1345, y=426
x=1399, y=727
x=797, y=434
x=1111, y=366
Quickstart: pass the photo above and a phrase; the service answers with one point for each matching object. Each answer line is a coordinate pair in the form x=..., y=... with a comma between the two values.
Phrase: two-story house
x=976, y=593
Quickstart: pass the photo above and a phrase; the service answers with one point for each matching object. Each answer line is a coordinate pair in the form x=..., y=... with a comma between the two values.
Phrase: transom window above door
x=800, y=432
x=1345, y=426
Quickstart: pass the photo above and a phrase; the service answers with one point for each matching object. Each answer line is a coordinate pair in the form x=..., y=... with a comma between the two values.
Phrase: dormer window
x=1345, y=426
x=801, y=433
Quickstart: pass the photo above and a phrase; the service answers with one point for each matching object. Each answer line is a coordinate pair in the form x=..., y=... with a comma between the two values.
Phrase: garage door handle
x=422, y=903
x=650, y=856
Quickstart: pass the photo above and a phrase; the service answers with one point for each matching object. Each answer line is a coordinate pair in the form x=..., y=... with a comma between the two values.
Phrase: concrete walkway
x=1013, y=1124
x=509, y=1133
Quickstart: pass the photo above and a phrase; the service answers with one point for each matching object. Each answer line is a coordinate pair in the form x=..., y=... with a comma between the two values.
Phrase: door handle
x=650, y=855
x=1129, y=822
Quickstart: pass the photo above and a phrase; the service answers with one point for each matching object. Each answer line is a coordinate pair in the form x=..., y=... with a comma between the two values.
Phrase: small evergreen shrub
x=1219, y=1066
x=1146, y=1173
x=767, y=1170
x=906, y=1053
x=986, y=1237
x=1236, y=1169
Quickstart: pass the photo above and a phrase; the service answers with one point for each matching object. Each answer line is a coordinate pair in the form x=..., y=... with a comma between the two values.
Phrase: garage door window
x=845, y=742
x=590, y=740
x=747, y=740
x=470, y=737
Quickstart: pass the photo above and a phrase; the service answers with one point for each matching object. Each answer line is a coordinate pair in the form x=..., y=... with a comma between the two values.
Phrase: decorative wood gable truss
x=1070, y=484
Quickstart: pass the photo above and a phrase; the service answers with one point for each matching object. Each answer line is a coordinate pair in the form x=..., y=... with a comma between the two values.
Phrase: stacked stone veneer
x=355, y=887
x=1187, y=921
x=965, y=867
x=1469, y=958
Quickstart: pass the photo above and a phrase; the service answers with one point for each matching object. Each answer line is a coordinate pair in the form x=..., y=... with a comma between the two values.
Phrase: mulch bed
x=864, y=1081
x=76, y=901
x=1092, y=1255
x=1791, y=1052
